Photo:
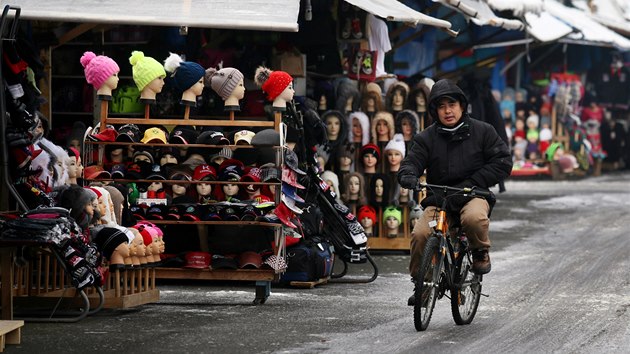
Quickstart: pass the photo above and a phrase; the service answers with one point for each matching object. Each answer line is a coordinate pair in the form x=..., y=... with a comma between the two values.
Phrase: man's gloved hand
x=408, y=181
x=457, y=201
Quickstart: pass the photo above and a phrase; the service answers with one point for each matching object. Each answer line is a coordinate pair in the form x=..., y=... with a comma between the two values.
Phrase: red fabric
x=276, y=83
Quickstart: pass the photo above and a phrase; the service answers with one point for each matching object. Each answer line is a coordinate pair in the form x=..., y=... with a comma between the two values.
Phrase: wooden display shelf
x=122, y=180
x=10, y=333
x=124, y=143
x=232, y=223
x=195, y=122
x=216, y=274
x=386, y=243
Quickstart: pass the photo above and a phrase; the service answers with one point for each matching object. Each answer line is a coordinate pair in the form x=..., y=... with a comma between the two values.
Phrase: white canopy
x=607, y=12
x=589, y=31
x=545, y=27
x=269, y=15
x=480, y=13
x=393, y=10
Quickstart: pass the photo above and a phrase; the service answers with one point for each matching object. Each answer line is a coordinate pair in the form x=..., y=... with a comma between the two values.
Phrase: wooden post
x=277, y=118
x=231, y=115
x=147, y=110
x=6, y=269
x=187, y=112
x=104, y=112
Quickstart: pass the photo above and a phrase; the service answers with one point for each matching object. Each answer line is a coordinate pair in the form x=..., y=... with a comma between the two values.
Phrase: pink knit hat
x=98, y=68
x=272, y=82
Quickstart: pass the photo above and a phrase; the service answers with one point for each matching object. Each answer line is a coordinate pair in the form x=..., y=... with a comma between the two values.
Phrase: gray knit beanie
x=223, y=81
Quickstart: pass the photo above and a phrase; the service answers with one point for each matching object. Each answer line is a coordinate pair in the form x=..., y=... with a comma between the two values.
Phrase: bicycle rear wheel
x=427, y=284
x=466, y=292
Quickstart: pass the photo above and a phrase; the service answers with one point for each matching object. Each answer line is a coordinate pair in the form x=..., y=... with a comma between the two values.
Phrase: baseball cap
x=108, y=134
x=183, y=134
x=291, y=192
x=269, y=172
x=138, y=211
x=284, y=214
x=266, y=137
x=205, y=172
x=95, y=171
x=249, y=260
x=128, y=133
x=250, y=213
x=231, y=169
x=229, y=213
x=143, y=153
x=174, y=212
x=191, y=213
x=154, y=135
x=156, y=212
x=243, y=137
x=211, y=137
x=223, y=262
x=179, y=173
x=290, y=203
x=289, y=176
x=291, y=160
x=291, y=236
x=209, y=212
x=252, y=174
x=118, y=170
x=138, y=170
x=156, y=172
x=197, y=260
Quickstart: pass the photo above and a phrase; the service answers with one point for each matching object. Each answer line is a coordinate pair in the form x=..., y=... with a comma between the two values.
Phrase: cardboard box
x=292, y=63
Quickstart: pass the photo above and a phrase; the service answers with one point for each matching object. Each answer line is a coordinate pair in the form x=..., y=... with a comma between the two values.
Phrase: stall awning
x=264, y=15
x=546, y=28
x=608, y=13
x=393, y=10
x=518, y=7
x=588, y=30
x=480, y=13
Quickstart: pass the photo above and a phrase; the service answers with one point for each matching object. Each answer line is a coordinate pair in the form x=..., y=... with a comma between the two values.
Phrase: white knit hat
x=397, y=143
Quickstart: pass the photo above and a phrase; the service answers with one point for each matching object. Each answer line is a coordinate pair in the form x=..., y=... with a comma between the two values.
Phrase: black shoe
x=481, y=262
x=412, y=300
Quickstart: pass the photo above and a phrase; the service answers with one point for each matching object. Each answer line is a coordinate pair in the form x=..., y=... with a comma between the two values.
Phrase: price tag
x=432, y=223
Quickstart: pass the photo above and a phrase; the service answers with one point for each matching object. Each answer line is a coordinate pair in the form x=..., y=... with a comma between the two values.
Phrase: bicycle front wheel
x=466, y=291
x=427, y=284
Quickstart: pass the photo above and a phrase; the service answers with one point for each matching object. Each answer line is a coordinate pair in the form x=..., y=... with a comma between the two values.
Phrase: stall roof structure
x=393, y=10
x=267, y=15
x=481, y=14
x=609, y=13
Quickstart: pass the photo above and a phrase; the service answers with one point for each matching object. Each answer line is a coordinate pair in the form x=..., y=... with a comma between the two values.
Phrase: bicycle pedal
x=486, y=295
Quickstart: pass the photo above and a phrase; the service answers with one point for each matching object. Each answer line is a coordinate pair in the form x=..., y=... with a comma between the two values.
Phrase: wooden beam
x=75, y=32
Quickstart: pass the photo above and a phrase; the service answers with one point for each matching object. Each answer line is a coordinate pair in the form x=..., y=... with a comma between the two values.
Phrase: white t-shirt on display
x=378, y=36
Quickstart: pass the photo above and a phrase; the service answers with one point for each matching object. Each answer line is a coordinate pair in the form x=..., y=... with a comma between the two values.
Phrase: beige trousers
x=475, y=223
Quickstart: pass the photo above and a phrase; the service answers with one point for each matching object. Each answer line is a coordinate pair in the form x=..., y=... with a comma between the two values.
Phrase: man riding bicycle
x=458, y=151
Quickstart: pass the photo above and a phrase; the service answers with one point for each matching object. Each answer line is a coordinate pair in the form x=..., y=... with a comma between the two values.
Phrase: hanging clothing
x=378, y=36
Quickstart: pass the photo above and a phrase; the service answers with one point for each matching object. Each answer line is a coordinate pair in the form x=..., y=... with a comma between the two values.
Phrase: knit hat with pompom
x=223, y=81
x=145, y=69
x=182, y=74
x=272, y=82
x=98, y=68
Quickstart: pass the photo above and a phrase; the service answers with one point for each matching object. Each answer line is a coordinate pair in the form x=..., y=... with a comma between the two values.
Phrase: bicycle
x=446, y=266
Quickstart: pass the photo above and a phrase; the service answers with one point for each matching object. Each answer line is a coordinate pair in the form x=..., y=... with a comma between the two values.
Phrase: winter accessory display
x=183, y=134
x=291, y=160
x=411, y=116
x=389, y=120
x=95, y=171
x=267, y=137
x=210, y=137
x=225, y=153
x=144, y=153
x=197, y=260
x=145, y=69
x=108, y=135
x=272, y=82
x=98, y=68
x=129, y=133
x=156, y=173
x=289, y=176
x=182, y=74
x=223, y=81
x=231, y=170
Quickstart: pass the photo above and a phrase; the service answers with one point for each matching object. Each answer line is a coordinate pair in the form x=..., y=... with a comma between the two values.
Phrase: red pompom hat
x=272, y=82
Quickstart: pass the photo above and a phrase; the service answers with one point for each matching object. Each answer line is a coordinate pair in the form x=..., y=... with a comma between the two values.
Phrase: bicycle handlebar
x=471, y=191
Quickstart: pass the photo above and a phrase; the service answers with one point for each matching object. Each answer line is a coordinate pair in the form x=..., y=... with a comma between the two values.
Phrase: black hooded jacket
x=473, y=154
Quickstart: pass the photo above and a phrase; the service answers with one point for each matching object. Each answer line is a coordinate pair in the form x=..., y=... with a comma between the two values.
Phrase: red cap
x=276, y=83
x=367, y=211
x=108, y=134
x=198, y=260
x=95, y=171
x=204, y=172
x=289, y=176
x=284, y=214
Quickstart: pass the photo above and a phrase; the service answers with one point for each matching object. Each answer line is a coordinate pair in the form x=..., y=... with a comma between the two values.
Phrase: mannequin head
x=348, y=97
x=75, y=168
x=382, y=127
x=278, y=85
x=148, y=74
x=379, y=190
x=100, y=72
x=372, y=99
x=360, y=128
x=397, y=96
x=392, y=218
x=185, y=76
x=367, y=217
x=113, y=243
x=395, y=152
x=335, y=126
x=407, y=124
x=346, y=158
x=227, y=83
x=370, y=154
x=332, y=180
x=324, y=95
x=354, y=188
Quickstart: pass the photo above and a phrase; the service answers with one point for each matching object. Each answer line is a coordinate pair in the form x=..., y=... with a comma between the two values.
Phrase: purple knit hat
x=98, y=68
